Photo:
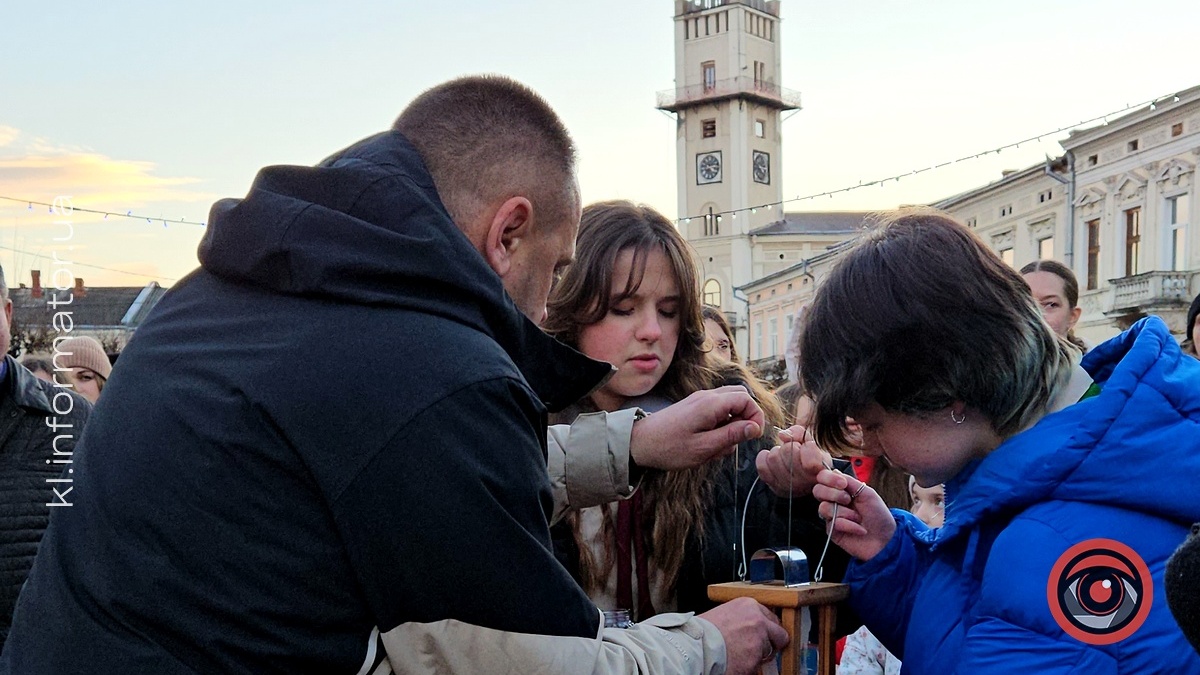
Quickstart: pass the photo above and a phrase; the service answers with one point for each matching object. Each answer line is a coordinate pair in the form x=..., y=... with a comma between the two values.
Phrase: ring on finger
x=861, y=487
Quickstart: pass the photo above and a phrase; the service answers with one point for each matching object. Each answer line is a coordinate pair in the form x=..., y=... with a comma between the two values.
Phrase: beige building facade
x=1118, y=208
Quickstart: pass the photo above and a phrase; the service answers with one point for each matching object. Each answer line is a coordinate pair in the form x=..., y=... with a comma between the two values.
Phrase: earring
x=956, y=419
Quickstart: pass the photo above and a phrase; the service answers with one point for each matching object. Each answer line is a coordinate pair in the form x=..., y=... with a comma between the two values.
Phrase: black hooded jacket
x=336, y=425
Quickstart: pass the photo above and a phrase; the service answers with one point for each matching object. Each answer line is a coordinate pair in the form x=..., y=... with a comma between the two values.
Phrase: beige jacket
x=588, y=462
x=668, y=643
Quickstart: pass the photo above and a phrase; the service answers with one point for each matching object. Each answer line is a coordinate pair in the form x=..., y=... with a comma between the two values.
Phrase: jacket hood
x=1123, y=447
x=366, y=227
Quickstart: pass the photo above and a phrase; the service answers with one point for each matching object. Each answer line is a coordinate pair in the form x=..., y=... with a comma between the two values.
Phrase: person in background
x=1183, y=586
x=1192, y=331
x=40, y=423
x=720, y=337
x=89, y=367
x=40, y=365
x=1056, y=291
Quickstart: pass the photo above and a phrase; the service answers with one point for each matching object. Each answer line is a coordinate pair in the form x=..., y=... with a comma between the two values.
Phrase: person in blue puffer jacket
x=1068, y=484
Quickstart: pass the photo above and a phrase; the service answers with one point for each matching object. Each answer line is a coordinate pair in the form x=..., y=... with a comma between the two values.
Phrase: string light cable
x=67, y=208
x=1152, y=104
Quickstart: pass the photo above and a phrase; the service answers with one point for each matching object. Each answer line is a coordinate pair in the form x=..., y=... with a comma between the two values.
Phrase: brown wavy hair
x=676, y=501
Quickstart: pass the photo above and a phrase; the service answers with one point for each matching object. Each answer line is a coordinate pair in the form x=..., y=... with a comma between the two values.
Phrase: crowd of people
x=580, y=441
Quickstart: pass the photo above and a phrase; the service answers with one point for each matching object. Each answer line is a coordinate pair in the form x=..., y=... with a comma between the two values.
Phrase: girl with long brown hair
x=632, y=299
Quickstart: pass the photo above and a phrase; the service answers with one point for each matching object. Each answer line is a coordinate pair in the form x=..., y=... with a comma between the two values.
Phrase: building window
x=708, y=128
x=1046, y=248
x=710, y=75
x=760, y=74
x=760, y=128
x=712, y=225
x=773, y=336
x=1046, y=196
x=1006, y=254
x=1093, y=255
x=790, y=317
x=1133, y=240
x=1177, y=129
x=1178, y=216
x=1132, y=146
x=1006, y=210
x=771, y=31
x=712, y=293
x=707, y=26
x=758, y=340
x=1092, y=160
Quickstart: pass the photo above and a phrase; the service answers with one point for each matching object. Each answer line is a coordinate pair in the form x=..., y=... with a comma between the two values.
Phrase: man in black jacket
x=39, y=423
x=246, y=505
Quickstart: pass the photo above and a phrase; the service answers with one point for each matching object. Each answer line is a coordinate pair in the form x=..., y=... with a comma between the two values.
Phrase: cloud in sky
x=39, y=170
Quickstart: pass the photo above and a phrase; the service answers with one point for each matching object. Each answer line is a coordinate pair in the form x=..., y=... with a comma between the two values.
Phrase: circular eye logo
x=1100, y=591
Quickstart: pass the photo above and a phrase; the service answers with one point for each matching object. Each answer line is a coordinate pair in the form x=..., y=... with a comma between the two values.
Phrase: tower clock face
x=708, y=168
x=762, y=167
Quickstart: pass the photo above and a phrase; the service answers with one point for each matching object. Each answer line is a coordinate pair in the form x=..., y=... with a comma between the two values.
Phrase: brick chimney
x=37, y=284
x=80, y=291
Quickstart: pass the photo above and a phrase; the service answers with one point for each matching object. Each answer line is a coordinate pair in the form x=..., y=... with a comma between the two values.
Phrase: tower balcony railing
x=760, y=91
x=692, y=6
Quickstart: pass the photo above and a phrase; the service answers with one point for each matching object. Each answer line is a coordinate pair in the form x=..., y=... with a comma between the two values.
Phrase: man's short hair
x=3, y=286
x=920, y=313
x=488, y=138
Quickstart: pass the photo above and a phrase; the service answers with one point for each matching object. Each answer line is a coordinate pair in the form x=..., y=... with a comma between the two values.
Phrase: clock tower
x=727, y=102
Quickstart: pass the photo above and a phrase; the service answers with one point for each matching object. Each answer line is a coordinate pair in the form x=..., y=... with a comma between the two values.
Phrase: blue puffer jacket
x=1052, y=555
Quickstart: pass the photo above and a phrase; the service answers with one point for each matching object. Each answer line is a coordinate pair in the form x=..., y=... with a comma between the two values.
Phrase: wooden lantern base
x=788, y=601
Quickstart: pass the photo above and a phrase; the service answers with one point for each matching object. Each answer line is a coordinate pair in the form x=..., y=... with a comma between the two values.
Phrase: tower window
x=1092, y=160
x=708, y=128
x=760, y=128
x=709, y=68
x=712, y=293
x=1132, y=145
x=1177, y=129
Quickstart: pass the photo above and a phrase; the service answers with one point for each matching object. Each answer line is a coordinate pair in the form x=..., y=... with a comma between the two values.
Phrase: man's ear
x=509, y=227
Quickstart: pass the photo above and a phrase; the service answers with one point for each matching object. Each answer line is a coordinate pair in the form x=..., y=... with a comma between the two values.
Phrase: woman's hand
x=790, y=469
x=864, y=524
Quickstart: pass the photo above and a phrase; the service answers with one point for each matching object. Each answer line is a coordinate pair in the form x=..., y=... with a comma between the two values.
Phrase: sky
x=158, y=109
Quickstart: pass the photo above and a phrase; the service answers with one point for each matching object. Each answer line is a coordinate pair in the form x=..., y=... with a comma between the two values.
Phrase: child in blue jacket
x=1069, y=485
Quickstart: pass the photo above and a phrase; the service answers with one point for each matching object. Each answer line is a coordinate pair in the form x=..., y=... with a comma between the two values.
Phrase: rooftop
x=814, y=222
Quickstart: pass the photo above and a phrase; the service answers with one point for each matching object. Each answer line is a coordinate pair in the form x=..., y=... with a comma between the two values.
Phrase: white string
x=742, y=568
